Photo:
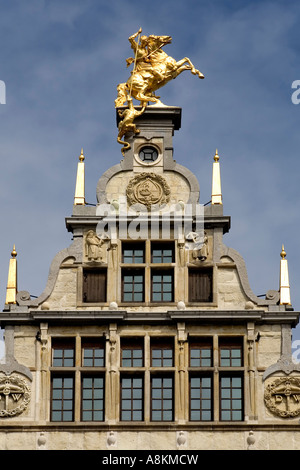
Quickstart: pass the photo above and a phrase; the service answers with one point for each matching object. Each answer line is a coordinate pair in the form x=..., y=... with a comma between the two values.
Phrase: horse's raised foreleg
x=181, y=64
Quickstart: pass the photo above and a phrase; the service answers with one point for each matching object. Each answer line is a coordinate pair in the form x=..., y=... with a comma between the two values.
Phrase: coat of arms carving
x=14, y=395
x=148, y=189
x=282, y=397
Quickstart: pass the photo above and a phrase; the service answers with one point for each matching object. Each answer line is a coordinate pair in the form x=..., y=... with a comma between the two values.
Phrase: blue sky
x=61, y=61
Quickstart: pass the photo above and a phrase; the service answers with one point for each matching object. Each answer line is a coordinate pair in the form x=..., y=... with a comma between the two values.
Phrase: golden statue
x=127, y=125
x=153, y=68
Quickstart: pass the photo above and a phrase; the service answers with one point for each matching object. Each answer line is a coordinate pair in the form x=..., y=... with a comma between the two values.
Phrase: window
x=201, y=398
x=231, y=393
x=162, y=252
x=131, y=353
x=162, y=286
x=162, y=280
x=231, y=384
x=63, y=352
x=200, y=285
x=68, y=360
x=133, y=253
x=94, y=285
x=162, y=353
x=93, y=353
x=148, y=154
x=162, y=356
x=147, y=260
x=131, y=398
x=62, y=402
x=133, y=285
x=230, y=352
x=161, y=398
x=201, y=383
x=201, y=353
x=92, y=398
x=226, y=367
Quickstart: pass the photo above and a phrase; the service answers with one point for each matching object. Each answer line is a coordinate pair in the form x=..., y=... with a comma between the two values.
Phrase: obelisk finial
x=216, y=193
x=79, y=198
x=11, y=289
x=284, y=285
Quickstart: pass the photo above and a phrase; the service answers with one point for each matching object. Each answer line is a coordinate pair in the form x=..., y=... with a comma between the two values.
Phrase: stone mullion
x=147, y=380
x=77, y=388
x=147, y=273
x=181, y=374
x=250, y=392
x=112, y=376
x=216, y=379
x=43, y=367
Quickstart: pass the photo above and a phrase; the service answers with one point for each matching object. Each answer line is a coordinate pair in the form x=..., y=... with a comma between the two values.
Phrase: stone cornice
x=92, y=316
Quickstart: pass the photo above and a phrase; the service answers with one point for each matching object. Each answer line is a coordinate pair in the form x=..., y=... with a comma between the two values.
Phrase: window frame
x=201, y=399
x=162, y=246
x=162, y=377
x=64, y=377
x=64, y=344
x=130, y=271
x=132, y=344
x=91, y=343
x=201, y=344
x=133, y=246
x=162, y=344
x=162, y=272
x=231, y=410
x=218, y=371
x=131, y=410
x=231, y=344
x=93, y=400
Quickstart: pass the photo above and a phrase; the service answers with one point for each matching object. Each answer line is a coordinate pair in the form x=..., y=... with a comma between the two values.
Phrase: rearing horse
x=153, y=73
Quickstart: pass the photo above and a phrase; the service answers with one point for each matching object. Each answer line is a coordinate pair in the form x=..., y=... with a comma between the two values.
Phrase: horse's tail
x=122, y=95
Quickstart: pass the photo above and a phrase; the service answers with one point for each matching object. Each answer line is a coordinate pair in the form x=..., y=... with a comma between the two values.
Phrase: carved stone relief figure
x=198, y=246
x=95, y=247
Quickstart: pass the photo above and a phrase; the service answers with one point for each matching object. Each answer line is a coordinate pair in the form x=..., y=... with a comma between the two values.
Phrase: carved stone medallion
x=282, y=397
x=148, y=189
x=14, y=395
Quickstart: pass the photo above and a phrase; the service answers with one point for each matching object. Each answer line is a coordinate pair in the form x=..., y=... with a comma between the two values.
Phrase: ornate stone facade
x=149, y=342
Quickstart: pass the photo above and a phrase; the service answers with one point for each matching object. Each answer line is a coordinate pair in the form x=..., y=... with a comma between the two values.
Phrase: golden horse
x=152, y=73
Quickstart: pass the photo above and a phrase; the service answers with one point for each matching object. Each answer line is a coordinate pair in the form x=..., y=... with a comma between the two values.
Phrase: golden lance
x=135, y=56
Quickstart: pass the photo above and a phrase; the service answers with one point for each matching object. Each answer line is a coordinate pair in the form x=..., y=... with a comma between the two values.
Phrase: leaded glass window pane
x=200, y=399
x=162, y=399
x=231, y=396
x=93, y=399
x=62, y=400
x=131, y=399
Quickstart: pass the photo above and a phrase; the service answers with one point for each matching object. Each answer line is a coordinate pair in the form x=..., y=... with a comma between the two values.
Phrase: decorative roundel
x=148, y=189
x=148, y=154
